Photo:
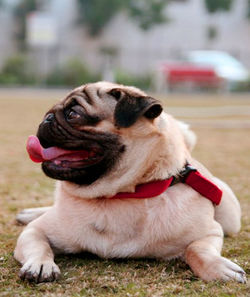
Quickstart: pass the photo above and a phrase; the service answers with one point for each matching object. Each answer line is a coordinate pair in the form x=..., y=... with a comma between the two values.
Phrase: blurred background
x=158, y=45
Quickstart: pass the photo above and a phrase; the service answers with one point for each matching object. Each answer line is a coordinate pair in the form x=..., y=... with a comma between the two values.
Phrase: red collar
x=189, y=176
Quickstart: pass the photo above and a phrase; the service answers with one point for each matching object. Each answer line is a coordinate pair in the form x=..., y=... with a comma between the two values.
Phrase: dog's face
x=90, y=123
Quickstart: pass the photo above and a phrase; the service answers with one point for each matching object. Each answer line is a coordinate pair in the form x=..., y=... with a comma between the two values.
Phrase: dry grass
x=226, y=151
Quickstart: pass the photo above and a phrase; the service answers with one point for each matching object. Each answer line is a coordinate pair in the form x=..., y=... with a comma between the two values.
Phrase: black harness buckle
x=185, y=172
x=182, y=176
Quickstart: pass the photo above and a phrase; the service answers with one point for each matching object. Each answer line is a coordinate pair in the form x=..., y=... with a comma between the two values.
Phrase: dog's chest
x=107, y=228
x=125, y=228
x=110, y=219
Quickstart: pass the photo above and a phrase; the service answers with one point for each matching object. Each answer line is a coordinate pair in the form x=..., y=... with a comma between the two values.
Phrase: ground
x=223, y=146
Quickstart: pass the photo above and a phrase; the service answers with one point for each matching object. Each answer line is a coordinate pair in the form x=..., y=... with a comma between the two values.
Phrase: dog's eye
x=73, y=115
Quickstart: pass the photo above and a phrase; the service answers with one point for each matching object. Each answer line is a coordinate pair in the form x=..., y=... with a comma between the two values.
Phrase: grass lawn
x=225, y=150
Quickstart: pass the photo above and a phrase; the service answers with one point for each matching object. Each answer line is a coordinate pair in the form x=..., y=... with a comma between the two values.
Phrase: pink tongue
x=34, y=149
x=39, y=154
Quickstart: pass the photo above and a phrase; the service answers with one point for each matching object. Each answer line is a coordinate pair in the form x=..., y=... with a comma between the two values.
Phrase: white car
x=225, y=65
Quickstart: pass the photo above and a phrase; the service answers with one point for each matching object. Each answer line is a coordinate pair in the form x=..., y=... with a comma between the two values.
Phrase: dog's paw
x=223, y=269
x=39, y=271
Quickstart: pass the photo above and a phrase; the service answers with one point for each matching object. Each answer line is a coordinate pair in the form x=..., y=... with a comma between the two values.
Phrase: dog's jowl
x=127, y=186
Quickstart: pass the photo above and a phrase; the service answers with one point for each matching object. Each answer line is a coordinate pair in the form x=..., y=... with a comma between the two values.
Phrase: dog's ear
x=129, y=108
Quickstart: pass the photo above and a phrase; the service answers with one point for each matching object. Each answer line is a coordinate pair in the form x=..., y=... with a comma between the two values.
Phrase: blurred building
x=190, y=27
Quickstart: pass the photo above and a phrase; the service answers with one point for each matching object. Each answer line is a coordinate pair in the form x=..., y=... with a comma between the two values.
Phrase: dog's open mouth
x=61, y=159
x=82, y=163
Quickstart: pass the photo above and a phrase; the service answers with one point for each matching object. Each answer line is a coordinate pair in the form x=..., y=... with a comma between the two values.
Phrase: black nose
x=49, y=118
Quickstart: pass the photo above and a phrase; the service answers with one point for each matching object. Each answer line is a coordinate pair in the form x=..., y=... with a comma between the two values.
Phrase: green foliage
x=248, y=9
x=16, y=71
x=242, y=86
x=213, y=6
x=21, y=11
x=96, y=14
x=212, y=32
x=148, y=13
x=73, y=73
x=142, y=81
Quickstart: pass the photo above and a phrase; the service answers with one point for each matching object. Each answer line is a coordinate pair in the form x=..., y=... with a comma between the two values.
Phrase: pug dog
x=127, y=187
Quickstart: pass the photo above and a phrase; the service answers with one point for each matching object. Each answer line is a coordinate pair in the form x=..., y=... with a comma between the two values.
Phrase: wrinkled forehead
x=104, y=87
x=96, y=97
x=95, y=91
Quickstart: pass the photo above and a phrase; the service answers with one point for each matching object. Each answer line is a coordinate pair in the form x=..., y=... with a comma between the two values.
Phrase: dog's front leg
x=203, y=256
x=33, y=251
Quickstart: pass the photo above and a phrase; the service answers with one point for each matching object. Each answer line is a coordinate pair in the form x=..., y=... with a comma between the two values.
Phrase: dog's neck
x=166, y=158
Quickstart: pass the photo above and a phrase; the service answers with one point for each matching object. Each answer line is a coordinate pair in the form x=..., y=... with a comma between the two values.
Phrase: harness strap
x=189, y=175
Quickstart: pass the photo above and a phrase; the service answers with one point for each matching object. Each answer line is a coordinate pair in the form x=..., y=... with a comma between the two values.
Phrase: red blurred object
x=197, y=75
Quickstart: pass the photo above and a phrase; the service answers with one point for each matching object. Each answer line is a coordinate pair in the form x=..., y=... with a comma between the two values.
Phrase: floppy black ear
x=129, y=108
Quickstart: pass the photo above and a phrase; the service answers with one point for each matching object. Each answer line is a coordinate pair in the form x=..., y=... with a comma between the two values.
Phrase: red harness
x=189, y=176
